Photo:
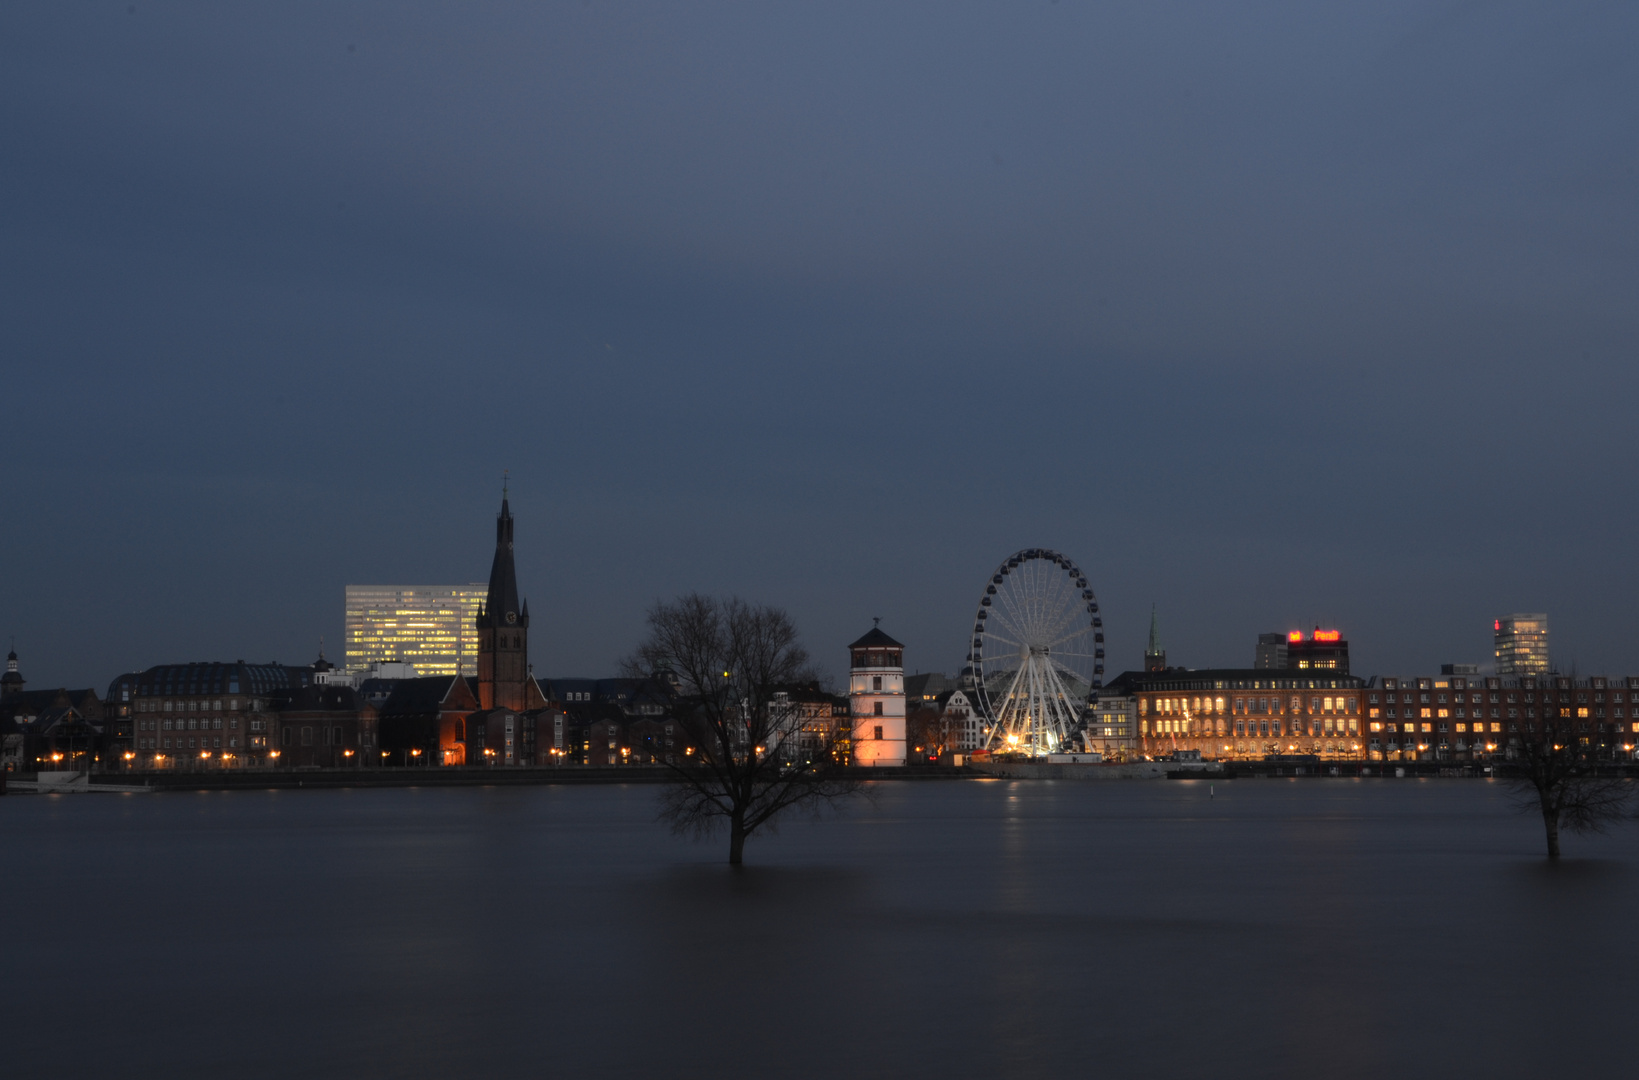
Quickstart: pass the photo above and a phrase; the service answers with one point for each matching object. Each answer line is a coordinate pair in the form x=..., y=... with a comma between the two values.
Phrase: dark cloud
x=1266, y=313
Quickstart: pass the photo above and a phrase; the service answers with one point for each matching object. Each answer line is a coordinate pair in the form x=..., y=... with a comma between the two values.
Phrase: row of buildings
x=1299, y=698
x=440, y=677
x=247, y=715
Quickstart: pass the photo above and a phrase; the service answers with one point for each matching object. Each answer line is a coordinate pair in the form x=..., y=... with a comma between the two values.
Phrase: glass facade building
x=432, y=627
x=1522, y=644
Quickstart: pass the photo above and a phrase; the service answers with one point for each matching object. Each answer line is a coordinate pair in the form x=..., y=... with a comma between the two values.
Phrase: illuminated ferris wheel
x=1038, y=653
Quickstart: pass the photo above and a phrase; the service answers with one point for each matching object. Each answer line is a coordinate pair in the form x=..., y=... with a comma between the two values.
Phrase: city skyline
x=1268, y=317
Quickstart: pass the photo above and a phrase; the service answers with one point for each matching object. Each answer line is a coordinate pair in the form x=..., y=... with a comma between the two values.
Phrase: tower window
x=879, y=710
x=879, y=731
x=876, y=683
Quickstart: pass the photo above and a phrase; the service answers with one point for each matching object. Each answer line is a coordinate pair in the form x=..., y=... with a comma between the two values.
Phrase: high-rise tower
x=1521, y=643
x=503, y=629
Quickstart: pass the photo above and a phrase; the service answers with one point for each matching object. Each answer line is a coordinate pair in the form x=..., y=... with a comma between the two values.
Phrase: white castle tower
x=876, y=698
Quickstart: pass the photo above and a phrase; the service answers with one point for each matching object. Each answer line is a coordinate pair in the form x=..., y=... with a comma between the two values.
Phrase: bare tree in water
x=1555, y=774
x=752, y=761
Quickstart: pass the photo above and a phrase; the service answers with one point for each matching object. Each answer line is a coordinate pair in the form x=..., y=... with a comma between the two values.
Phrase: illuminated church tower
x=876, y=699
x=503, y=629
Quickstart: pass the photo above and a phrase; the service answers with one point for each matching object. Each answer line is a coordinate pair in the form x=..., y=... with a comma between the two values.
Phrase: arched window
x=460, y=731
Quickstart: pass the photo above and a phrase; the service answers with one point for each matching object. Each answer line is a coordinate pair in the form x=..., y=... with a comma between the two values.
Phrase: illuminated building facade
x=1458, y=718
x=1522, y=644
x=433, y=628
x=1112, y=725
x=1245, y=713
x=876, y=699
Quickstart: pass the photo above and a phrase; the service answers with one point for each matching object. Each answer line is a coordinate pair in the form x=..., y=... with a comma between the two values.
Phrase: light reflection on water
x=1270, y=928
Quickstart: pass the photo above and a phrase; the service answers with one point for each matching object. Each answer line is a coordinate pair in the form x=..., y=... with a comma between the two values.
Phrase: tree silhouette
x=753, y=762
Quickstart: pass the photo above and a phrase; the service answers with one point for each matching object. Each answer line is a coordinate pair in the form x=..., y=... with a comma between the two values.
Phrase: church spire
x=501, y=604
x=503, y=632
x=1155, y=657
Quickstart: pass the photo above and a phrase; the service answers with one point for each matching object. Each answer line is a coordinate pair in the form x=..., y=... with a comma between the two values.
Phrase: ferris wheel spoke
x=1006, y=621
x=1014, y=616
x=991, y=635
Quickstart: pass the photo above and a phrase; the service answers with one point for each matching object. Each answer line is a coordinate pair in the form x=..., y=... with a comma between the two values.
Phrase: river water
x=1250, y=928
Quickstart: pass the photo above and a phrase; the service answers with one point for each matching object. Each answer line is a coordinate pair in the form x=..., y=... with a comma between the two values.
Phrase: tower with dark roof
x=876, y=699
x=503, y=628
x=11, y=682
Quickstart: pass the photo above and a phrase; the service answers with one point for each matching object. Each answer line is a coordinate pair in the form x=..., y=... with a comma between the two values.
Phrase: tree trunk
x=737, y=838
x=1550, y=819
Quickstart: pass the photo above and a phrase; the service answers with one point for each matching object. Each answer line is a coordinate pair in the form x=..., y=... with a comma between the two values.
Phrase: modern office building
x=1522, y=644
x=433, y=628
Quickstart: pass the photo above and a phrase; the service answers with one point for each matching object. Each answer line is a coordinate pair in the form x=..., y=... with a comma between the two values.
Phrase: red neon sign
x=1294, y=636
x=1328, y=635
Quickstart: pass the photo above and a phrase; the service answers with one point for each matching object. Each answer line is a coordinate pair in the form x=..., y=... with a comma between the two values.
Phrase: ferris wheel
x=1038, y=652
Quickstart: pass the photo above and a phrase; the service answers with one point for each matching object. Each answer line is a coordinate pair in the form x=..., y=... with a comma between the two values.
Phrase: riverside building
x=1459, y=718
x=876, y=698
x=1244, y=714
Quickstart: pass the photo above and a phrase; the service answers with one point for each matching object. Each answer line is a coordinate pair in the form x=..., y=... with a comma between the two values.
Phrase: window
x=879, y=708
x=876, y=684
x=284, y=736
x=878, y=730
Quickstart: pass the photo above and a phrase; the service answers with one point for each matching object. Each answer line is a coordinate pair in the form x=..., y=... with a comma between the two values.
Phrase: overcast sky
x=1268, y=314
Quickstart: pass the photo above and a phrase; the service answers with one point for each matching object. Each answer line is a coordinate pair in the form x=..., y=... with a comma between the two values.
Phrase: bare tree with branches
x=1555, y=774
x=753, y=761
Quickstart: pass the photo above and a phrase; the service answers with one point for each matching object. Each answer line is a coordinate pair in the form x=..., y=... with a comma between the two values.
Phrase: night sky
x=1269, y=314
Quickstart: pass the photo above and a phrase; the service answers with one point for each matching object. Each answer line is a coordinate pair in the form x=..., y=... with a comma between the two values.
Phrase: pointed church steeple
x=1155, y=657
x=503, y=627
x=501, y=604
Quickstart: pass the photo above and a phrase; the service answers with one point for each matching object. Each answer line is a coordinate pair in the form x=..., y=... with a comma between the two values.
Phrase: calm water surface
x=1280, y=928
